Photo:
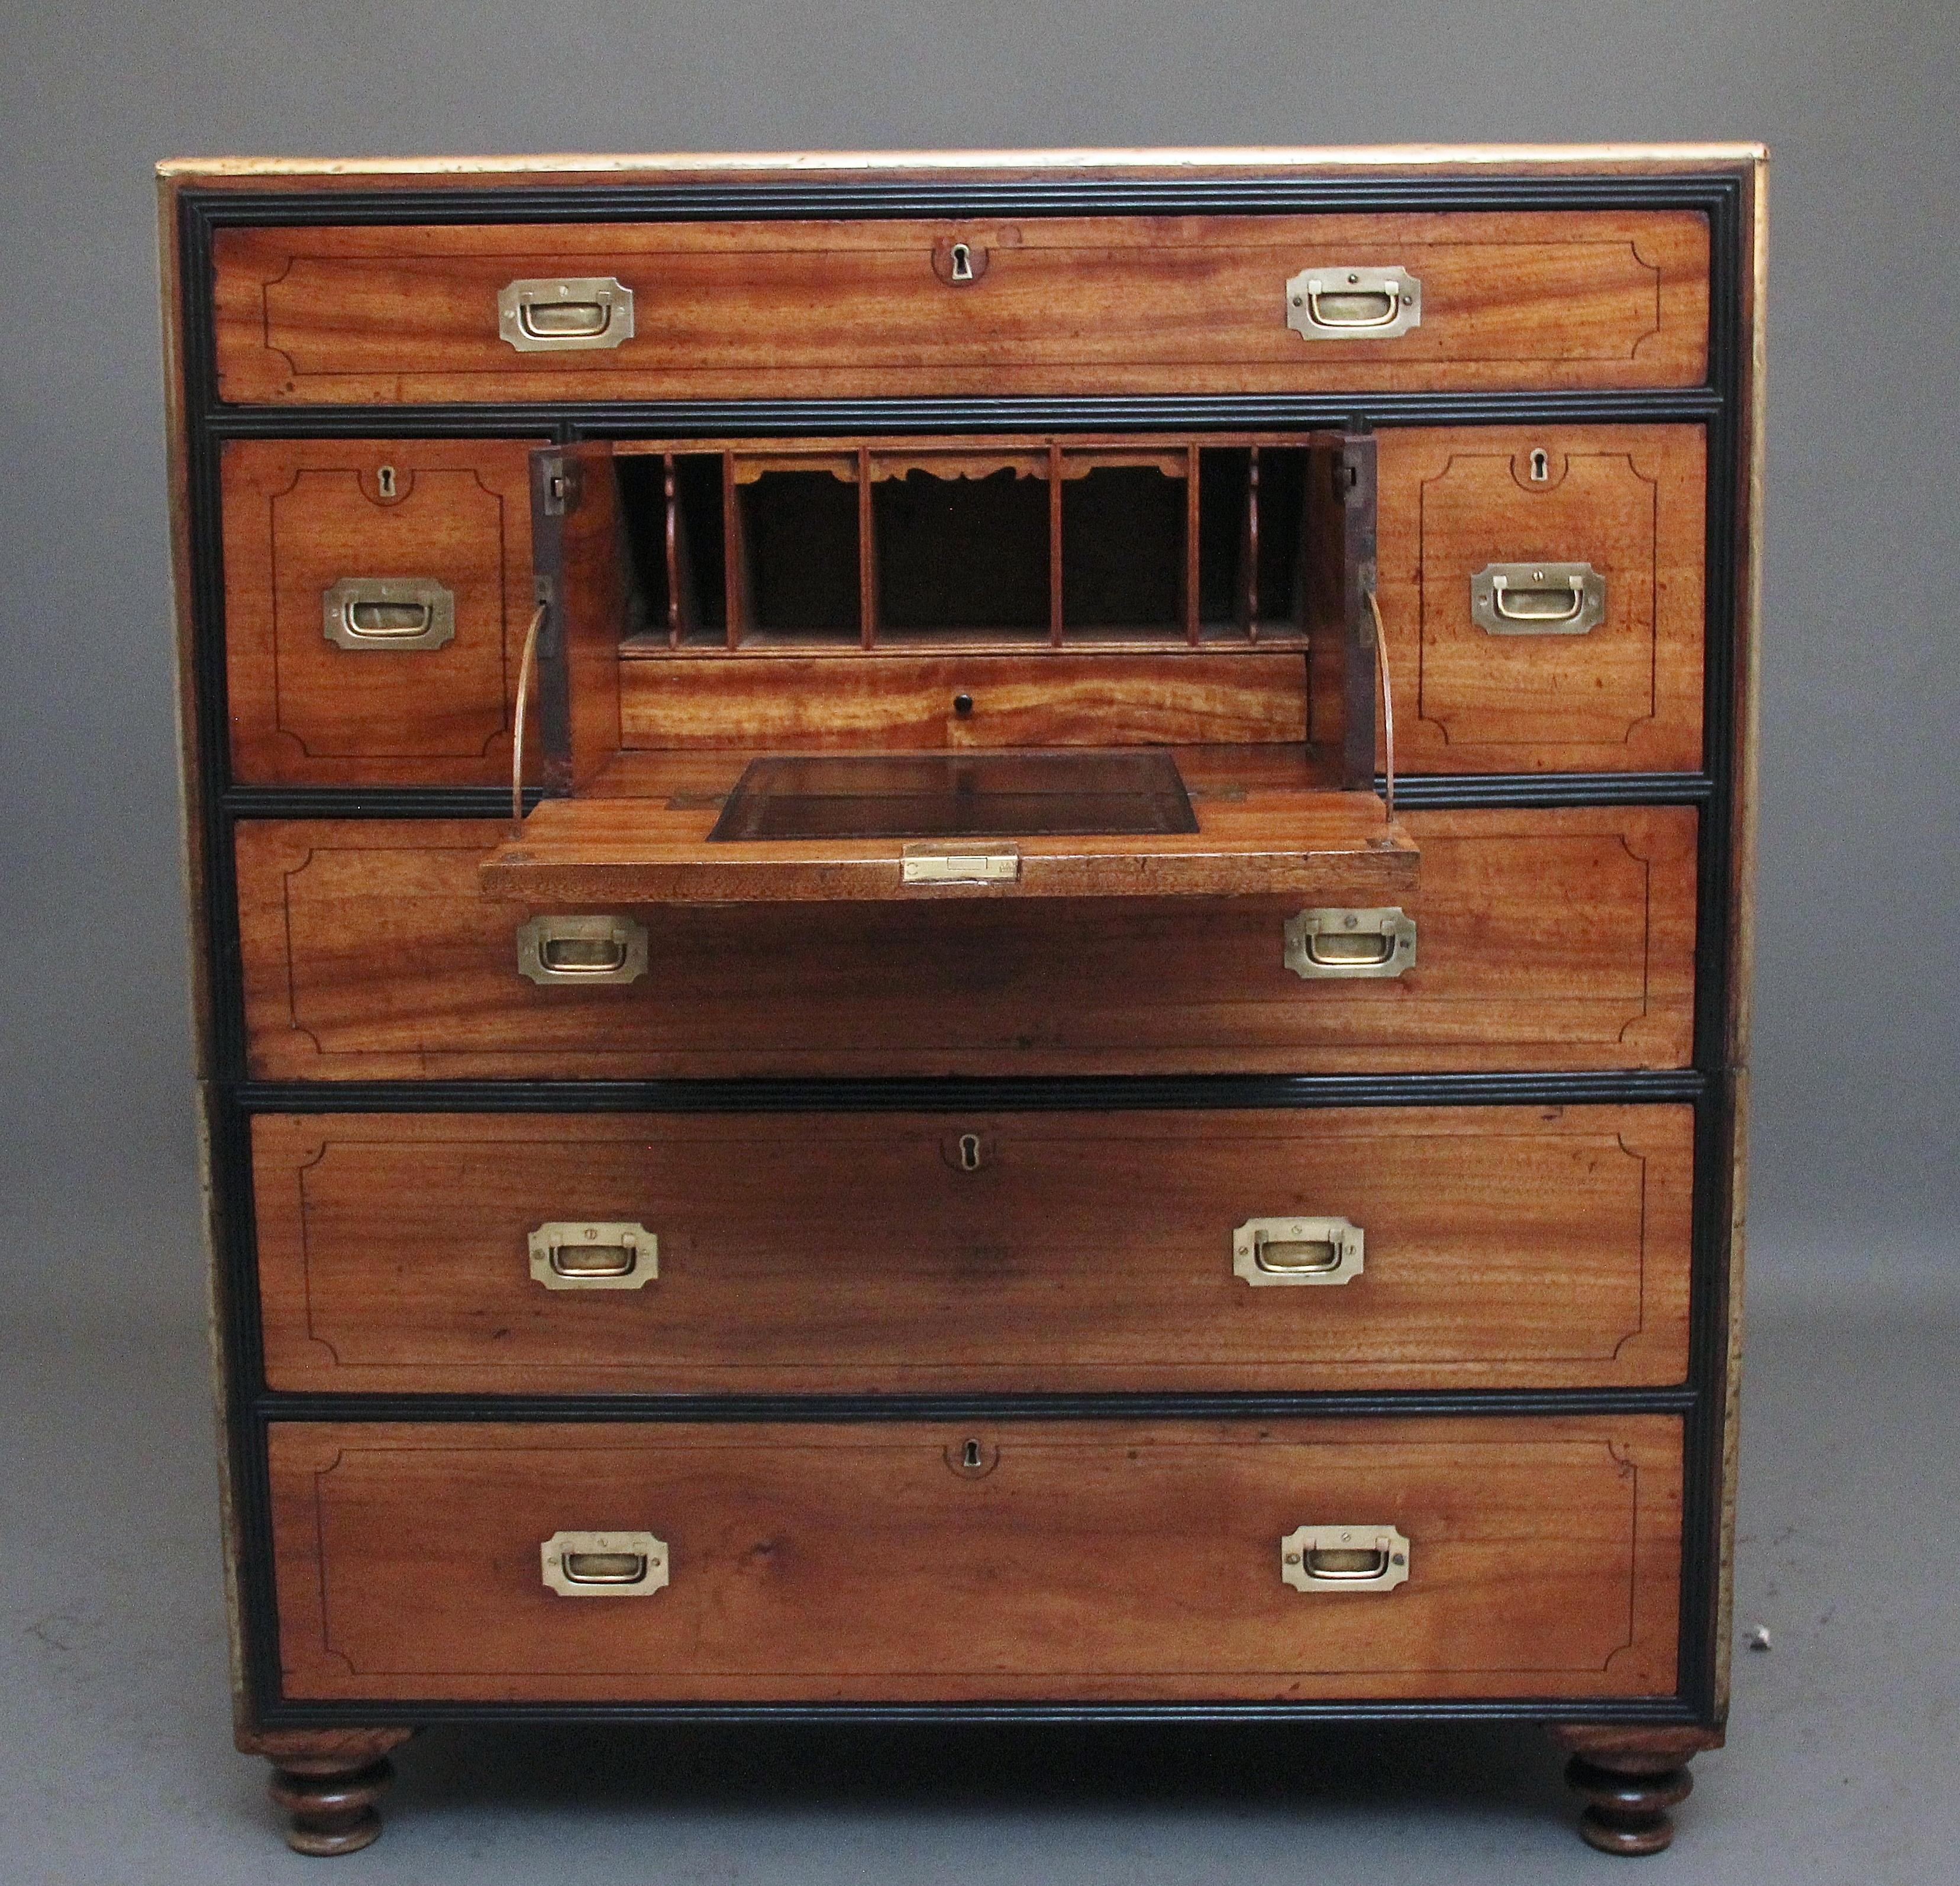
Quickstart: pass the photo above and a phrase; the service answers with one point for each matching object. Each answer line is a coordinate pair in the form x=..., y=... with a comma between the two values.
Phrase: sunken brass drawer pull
x=1538, y=598
x=1297, y=1250
x=1353, y=304
x=959, y=864
x=594, y=1255
x=1344, y=1559
x=1350, y=943
x=604, y=1564
x=561, y=314
x=559, y=950
x=394, y=614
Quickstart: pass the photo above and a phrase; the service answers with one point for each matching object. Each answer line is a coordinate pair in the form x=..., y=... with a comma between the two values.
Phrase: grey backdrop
x=111, y=1653
x=1855, y=1091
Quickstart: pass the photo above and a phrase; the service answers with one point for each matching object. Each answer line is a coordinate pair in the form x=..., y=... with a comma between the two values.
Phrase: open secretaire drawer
x=860, y=670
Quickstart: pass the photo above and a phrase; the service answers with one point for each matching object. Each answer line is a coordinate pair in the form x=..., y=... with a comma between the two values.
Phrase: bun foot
x=1629, y=1779
x=1626, y=1813
x=331, y=1807
x=326, y=1782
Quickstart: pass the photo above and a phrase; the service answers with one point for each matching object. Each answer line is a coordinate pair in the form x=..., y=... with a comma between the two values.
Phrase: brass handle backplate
x=1350, y=944
x=561, y=313
x=1538, y=598
x=391, y=614
x=557, y=951
x=1340, y=304
x=594, y=1254
x=604, y=1564
x=1344, y=1559
x=1297, y=1250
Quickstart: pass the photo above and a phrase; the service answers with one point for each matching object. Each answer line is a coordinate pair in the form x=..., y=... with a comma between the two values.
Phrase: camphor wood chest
x=917, y=878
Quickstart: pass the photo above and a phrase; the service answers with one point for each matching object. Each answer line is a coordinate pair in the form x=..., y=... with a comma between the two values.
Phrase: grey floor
x=1842, y=1765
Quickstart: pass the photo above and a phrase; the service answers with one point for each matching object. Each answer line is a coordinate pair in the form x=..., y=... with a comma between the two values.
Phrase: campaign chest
x=971, y=938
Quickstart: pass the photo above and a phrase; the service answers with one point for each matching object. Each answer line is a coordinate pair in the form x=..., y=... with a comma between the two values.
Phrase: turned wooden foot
x=1628, y=1779
x=327, y=1783
x=331, y=1807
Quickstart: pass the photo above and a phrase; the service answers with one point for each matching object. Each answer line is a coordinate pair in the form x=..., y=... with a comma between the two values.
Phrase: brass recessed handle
x=1345, y=1558
x=1353, y=304
x=395, y=613
x=604, y=1564
x=1350, y=944
x=935, y=863
x=556, y=951
x=1538, y=598
x=1297, y=1250
x=559, y=314
x=594, y=1254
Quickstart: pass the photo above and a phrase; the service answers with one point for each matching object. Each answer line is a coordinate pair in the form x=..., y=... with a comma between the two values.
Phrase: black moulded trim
x=861, y=197
x=1433, y=793
x=1648, y=1712
x=1047, y=1094
x=1165, y=1405
x=1157, y=412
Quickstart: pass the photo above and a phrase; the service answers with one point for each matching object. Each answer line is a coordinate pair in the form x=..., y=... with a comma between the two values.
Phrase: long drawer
x=827, y=310
x=1588, y=657
x=1512, y=1557
x=1559, y=939
x=1399, y=1248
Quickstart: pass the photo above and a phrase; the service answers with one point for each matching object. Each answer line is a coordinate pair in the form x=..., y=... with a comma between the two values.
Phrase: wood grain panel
x=1505, y=1247
x=828, y=309
x=816, y=703
x=1631, y=501
x=1084, y=1560
x=299, y=515
x=1547, y=938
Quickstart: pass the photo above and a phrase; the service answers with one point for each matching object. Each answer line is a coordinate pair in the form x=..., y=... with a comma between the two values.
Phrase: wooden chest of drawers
x=972, y=937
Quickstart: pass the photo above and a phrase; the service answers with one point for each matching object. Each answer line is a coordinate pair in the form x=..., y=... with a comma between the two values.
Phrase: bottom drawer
x=1517, y=1557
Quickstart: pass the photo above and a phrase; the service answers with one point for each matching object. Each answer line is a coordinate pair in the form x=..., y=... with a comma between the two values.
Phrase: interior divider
x=1132, y=563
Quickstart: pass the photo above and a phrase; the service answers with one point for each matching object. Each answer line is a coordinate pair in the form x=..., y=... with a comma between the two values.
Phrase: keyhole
x=1541, y=467
x=384, y=481
x=969, y=1455
x=962, y=263
x=969, y=1162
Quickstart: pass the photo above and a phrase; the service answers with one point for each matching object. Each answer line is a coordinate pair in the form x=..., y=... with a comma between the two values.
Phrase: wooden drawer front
x=1089, y=1560
x=1547, y=940
x=1628, y=501
x=1504, y=1247
x=1061, y=305
x=305, y=517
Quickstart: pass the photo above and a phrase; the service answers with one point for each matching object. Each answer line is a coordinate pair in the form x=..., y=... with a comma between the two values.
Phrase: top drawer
x=869, y=309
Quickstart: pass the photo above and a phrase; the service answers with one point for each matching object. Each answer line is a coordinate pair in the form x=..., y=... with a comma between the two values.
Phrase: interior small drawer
x=377, y=593
x=1540, y=939
x=1541, y=587
x=1293, y=1559
x=1397, y=1247
x=875, y=307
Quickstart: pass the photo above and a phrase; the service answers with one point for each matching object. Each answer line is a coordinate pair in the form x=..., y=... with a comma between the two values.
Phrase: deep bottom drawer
x=1522, y=1247
x=1515, y=1558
